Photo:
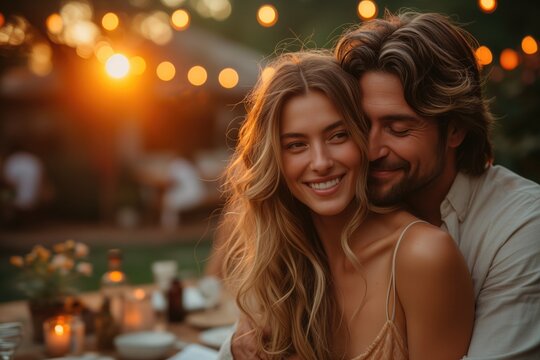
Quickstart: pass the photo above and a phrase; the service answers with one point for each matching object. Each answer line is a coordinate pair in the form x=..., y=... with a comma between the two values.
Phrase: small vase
x=40, y=311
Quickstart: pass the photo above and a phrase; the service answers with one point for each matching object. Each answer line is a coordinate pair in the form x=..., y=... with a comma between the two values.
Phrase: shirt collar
x=458, y=198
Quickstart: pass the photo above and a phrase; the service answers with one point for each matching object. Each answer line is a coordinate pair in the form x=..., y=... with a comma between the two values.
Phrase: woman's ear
x=455, y=135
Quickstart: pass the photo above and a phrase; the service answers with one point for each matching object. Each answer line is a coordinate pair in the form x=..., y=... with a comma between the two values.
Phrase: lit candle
x=137, y=314
x=57, y=334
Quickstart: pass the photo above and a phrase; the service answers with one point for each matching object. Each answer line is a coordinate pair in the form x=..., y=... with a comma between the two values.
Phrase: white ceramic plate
x=144, y=345
x=215, y=337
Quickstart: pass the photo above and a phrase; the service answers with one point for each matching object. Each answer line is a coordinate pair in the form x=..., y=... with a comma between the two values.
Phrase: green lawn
x=137, y=260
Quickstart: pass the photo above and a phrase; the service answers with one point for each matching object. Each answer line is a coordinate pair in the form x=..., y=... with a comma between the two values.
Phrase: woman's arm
x=435, y=290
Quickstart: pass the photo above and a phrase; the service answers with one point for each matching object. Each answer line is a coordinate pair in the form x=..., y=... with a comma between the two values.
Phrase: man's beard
x=406, y=187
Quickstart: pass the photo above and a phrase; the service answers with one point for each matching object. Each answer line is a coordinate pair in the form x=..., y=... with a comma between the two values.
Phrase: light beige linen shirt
x=495, y=220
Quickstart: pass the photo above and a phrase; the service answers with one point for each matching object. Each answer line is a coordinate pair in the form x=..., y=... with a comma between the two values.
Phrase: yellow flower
x=16, y=261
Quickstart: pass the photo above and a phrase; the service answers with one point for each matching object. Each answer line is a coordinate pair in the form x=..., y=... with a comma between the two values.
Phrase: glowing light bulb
x=484, y=55
x=197, y=75
x=267, y=15
x=228, y=78
x=487, y=6
x=367, y=9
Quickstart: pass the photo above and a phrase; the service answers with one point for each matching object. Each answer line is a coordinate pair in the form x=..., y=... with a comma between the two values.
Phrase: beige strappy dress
x=389, y=344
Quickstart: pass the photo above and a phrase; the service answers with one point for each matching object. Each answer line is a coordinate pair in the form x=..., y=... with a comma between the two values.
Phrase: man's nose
x=376, y=145
x=321, y=159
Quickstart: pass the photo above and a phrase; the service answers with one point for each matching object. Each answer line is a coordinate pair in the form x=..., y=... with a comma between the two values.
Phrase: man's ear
x=456, y=134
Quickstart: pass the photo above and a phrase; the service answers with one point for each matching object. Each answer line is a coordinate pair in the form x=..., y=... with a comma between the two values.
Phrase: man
x=429, y=147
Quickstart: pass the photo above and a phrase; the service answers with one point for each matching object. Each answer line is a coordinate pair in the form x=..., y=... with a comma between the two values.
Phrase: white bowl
x=144, y=345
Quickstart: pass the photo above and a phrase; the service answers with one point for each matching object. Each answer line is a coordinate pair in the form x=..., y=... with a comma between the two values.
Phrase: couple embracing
x=366, y=219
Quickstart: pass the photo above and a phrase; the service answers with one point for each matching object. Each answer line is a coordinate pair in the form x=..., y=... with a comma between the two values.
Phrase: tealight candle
x=137, y=314
x=64, y=335
x=57, y=333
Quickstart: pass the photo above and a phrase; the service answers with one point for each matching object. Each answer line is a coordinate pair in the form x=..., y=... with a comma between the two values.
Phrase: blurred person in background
x=185, y=190
x=23, y=177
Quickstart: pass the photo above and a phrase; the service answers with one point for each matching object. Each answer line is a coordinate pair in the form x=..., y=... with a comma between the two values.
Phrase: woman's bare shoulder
x=425, y=247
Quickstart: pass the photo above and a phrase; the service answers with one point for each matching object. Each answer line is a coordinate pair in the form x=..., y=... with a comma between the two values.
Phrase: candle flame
x=59, y=329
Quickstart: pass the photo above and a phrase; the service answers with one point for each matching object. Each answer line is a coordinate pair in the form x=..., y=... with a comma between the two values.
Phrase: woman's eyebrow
x=328, y=128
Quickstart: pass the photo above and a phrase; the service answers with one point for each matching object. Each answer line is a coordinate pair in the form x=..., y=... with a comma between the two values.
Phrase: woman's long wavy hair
x=437, y=66
x=275, y=262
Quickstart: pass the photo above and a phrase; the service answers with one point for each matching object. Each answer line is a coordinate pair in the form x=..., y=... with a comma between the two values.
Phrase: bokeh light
x=228, y=78
x=529, y=45
x=267, y=73
x=197, y=75
x=155, y=27
x=484, y=55
x=54, y=24
x=138, y=65
x=509, y=59
x=487, y=6
x=180, y=19
x=103, y=51
x=367, y=9
x=81, y=33
x=165, y=71
x=267, y=15
x=117, y=66
x=2, y=19
x=39, y=61
x=110, y=21
x=172, y=3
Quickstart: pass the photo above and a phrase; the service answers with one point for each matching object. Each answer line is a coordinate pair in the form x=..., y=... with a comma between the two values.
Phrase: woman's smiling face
x=320, y=160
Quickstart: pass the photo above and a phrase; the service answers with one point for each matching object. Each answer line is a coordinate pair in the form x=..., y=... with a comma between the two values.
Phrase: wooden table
x=186, y=331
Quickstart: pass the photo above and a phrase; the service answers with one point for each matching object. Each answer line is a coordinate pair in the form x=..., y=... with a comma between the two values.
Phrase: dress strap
x=392, y=282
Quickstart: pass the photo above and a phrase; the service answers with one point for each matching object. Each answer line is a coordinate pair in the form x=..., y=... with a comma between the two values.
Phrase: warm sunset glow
x=110, y=21
x=54, y=23
x=529, y=45
x=59, y=329
x=180, y=19
x=367, y=9
x=267, y=15
x=509, y=59
x=487, y=6
x=228, y=78
x=197, y=75
x=484, y=55
x=139, y=294
x=138, y=65
x=165, y=71
x=117, y=66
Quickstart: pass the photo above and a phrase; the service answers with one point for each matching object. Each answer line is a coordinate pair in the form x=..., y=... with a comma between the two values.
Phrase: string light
x=484, y=55
x=180, y=19
x=267, y=15
x=509, y=59
x=110, y=21
x=487, y=6
x=228, y=78
x=529, y=45
x=197, y=75
x=367, y=9
x=166, y=71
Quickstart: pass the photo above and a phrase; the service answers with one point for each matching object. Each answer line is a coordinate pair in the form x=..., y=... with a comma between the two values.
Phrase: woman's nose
x=321, y=160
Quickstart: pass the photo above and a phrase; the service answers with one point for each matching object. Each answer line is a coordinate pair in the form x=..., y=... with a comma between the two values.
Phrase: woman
x=315, y=270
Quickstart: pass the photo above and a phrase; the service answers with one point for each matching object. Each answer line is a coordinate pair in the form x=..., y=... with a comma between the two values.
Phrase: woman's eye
x=294, y=146
x=340, y=136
